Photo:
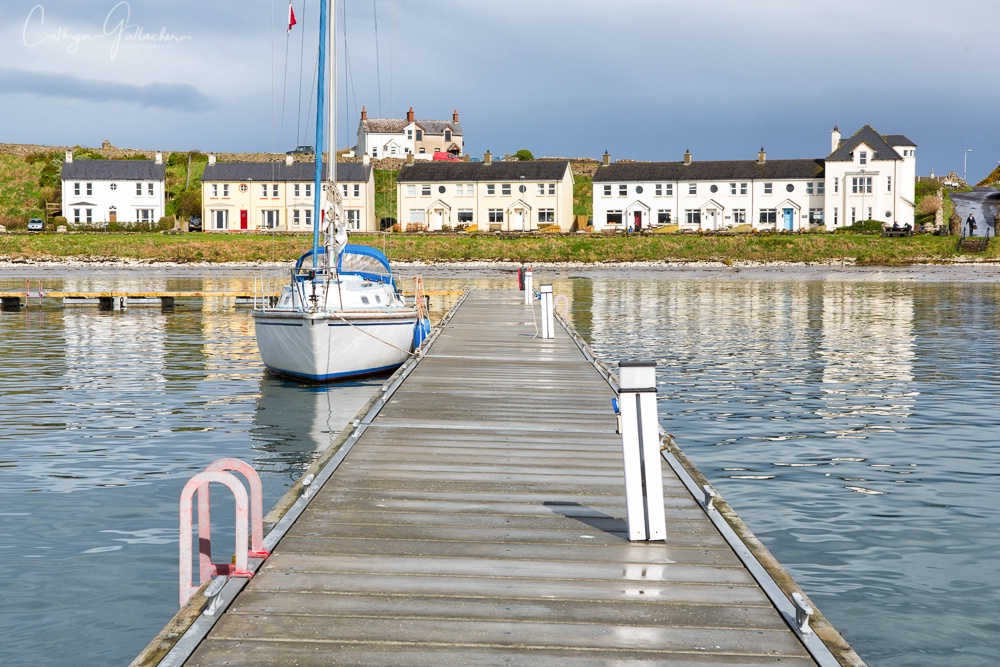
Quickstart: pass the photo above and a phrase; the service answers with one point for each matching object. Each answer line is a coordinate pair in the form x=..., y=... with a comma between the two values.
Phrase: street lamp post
x=965, y=166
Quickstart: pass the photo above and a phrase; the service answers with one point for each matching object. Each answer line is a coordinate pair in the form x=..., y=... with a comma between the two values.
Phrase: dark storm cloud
x=174, y=96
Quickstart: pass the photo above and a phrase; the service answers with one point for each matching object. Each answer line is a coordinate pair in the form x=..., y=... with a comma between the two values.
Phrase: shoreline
x=937, y=272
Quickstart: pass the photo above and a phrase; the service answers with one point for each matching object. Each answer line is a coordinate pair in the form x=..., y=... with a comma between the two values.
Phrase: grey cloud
x=174, y=96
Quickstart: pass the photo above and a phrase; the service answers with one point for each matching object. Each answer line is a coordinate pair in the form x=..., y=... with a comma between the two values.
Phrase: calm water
x=850, y=424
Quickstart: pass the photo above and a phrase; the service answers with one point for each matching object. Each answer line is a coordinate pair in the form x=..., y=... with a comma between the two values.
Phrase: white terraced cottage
x=95, y=192
x=868, y=176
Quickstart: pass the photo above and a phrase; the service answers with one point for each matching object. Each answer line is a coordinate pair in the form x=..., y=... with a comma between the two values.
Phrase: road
x=983, y=203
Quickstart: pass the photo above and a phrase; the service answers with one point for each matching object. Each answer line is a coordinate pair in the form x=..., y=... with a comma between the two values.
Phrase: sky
x=642, y=79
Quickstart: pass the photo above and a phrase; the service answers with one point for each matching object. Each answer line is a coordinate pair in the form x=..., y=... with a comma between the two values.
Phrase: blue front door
x=789, y=219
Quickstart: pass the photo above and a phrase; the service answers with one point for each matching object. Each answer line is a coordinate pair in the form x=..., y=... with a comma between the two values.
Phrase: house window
x=90, y=189
x=409, y=135
x=491, y=189
x=420, y=137
x=411, y=191
x=820, y=187
x=269, y=219
x=459, y=190
x=505, y=189
x=768, y=188
x=113, y=186
x=374, y=151
x=150, y=188
x=732, y=188
x=546, y=215
x=692, y=216
x=614, y=218
x=836, y=186
x=607, y=190
x=834, y=217
x=739, y=216
x=225, y=189
x=496, y=215
x=90, y=214
x=809, y=187
x=144, y=215
x=425, y=190
x=220, y=218
x=663, y=217
x=623, y=191
x=357, y=189
x=861, y=185
x=790, y=188
x=417, y=215
x=713, y=188
x=263, y=190
x=692, y=188
x=888, y=183
x=296, y=190
x=743, y=188
x=138, y=189
x=552, y=188
x=658, y=189
x=469, y=190
x=353, y=219
x=863, y=157
x=541, y=188
x=76, y=215
x=422, y=150
x=815, y=216
x=465, y=216
x=854, y=215
x=76, y=191
x=215, y=189
x=768, y=216
x=447, y=135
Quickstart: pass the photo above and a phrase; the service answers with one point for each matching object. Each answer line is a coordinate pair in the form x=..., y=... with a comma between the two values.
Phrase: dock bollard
x=528, y=293
x=548, y=321
x=641, y=450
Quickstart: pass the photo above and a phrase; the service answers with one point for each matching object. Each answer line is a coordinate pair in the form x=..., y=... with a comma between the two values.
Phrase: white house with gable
x=95, y=192
x=392, y=137
x=868, y=176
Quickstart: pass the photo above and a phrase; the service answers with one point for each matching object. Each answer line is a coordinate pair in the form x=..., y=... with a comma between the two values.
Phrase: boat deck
x=479, y=519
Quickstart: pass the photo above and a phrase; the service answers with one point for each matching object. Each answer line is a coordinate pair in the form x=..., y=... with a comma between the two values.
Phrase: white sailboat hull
x=324, y=347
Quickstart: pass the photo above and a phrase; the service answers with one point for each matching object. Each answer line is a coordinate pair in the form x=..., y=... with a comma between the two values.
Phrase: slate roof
x=898, y=140
x=113, y=170
x=279, y=172
x=710, y=170
x=480, y=172
x=396, y=126
x=866, y=135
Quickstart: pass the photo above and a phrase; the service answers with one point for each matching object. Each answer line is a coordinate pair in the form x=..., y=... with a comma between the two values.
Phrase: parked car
x=302, y=150
x=36, y=225
x=194, y=223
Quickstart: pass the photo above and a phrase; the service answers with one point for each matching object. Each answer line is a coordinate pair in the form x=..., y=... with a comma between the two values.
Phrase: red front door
x=638, y=220
x=243, y=219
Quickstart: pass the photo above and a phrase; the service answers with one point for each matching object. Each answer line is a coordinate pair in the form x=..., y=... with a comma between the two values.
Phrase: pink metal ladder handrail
x=245, y=525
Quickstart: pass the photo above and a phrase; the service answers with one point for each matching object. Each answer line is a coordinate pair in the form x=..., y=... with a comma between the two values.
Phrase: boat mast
x=320, y=112
x=332, y=152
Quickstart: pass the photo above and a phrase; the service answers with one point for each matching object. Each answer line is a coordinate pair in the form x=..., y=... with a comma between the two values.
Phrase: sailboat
x=341, y=315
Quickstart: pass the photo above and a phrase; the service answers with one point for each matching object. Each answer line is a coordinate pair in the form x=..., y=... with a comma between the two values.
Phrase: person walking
x=971, y=223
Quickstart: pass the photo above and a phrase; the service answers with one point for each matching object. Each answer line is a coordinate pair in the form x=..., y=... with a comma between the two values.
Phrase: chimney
x=834, y=139
x=409, y=115
x=69, y=157
x=409, y=158
x=364, y=113
x=159, y=158
x=687, y=156
x=488, y=158
x=366, y=159
x=454, y=116
x=606, y=160
x=289, y=159
x=761, y=156
x=211, y=159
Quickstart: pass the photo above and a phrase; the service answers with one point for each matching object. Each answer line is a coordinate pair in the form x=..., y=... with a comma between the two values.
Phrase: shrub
x=524, y=154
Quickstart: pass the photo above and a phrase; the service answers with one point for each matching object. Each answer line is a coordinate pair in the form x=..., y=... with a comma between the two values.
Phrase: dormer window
x=863, y=157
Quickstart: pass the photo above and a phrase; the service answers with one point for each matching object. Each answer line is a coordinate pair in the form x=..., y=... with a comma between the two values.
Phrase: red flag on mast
x=291, y=16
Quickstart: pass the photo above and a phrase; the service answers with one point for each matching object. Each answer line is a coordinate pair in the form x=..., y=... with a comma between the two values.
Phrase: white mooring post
x=548, y=321
x=641, y=450
x=528, y=292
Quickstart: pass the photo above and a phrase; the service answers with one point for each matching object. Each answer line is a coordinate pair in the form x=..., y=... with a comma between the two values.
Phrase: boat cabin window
x=364, y=299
